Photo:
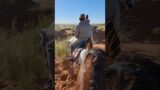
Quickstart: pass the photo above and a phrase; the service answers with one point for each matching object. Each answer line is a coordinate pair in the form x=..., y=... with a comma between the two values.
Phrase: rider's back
x=83, y=31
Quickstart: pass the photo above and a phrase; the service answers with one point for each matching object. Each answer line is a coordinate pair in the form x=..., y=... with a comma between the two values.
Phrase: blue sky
x=68, y=11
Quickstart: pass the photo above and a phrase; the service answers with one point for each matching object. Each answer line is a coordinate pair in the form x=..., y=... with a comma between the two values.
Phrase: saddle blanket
x=80, y=55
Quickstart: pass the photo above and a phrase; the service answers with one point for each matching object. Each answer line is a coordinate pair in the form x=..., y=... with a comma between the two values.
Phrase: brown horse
x=91, y=70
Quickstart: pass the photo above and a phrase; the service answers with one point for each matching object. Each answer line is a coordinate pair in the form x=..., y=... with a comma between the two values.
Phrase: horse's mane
x=97, y=73
x=133, y=72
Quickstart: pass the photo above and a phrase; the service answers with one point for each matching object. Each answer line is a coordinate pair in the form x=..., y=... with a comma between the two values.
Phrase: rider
x=82, y=33
x=83, y=30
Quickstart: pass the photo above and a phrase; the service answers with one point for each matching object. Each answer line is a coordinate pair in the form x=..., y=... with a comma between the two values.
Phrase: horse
x=93, y=61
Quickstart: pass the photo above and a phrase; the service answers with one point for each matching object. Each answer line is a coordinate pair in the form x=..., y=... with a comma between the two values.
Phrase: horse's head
x=129, y=4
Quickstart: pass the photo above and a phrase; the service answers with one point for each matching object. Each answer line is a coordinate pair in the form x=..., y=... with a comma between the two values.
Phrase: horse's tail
x=112, y=41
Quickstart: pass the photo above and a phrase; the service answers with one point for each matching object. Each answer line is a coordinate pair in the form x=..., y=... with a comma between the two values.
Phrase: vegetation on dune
x=101, y=27
x=59, y=27
x=61, y=49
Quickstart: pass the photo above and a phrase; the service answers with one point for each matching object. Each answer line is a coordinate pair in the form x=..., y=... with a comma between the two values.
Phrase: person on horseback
x=82, y=35
x=80, y=42
x=83, y=30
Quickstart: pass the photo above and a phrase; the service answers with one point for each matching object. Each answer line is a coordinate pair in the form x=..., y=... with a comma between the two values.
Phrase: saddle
x=76, y=52
x=81, y=45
